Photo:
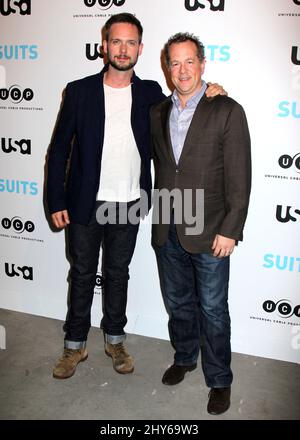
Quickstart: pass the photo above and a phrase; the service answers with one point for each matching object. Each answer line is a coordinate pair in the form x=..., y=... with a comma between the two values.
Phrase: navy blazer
x=82, y=120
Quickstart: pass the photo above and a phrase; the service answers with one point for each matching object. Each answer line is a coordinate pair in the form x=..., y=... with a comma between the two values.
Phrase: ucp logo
x=286, y=161
x=18, y=225
x=16, y=94
x=8, y=7
x=104, y=4
x=284, y=307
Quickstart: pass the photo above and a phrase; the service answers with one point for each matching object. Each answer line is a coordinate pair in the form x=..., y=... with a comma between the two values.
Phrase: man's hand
x=60, y=219
x=214, y=90
x=223, y=246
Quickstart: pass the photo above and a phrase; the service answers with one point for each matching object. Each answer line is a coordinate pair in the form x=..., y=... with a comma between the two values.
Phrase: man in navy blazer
x=106, y=119
x=83, y=111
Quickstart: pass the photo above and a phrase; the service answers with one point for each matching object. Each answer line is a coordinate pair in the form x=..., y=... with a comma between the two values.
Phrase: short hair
x=182, y=37
x=124, y=17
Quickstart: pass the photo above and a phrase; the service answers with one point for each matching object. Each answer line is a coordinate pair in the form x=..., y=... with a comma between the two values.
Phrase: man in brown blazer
x=201, y=152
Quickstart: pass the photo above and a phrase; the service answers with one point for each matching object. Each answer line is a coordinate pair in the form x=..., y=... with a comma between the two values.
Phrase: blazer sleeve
x=60, y=150
x=154, y=121
x=159, y=96
x=152, y=152
x=237, y=173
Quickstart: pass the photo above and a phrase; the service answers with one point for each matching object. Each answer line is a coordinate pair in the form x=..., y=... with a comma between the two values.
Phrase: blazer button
x=177, y=171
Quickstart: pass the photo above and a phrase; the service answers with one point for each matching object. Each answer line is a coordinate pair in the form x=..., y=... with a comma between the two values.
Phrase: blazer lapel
x=97, y=109
x=137, y=102
x=198, y=122
x=165, y=118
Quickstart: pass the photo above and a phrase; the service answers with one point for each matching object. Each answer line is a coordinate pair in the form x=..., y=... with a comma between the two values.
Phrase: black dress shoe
x=219, y=400
x=176, y=373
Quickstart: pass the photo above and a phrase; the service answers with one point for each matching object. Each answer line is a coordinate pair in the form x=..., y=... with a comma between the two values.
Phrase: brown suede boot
x=122, y=361
x=66, y=365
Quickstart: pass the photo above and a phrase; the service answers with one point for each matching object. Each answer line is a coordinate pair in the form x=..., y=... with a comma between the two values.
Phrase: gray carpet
x=263, y=389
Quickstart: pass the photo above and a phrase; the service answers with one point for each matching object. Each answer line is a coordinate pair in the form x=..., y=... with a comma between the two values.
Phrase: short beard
x=121, y=68
x=112, y=62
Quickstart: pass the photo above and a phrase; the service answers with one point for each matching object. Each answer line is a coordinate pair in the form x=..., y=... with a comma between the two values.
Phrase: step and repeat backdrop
x=253, y=50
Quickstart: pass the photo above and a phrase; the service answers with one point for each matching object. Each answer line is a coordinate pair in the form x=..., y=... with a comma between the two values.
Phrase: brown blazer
x=215, y=157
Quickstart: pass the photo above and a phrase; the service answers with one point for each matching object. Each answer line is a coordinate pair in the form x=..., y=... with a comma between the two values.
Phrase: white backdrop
x=253, y=49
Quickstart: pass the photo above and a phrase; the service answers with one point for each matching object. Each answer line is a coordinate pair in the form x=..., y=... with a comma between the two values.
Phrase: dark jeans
x=195, y=291
x=84, y=245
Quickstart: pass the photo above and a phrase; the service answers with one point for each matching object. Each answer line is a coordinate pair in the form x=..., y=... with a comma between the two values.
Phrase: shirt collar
x=193, y=101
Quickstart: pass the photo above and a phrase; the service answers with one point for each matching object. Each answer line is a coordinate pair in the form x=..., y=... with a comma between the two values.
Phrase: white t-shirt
x=121, y=162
